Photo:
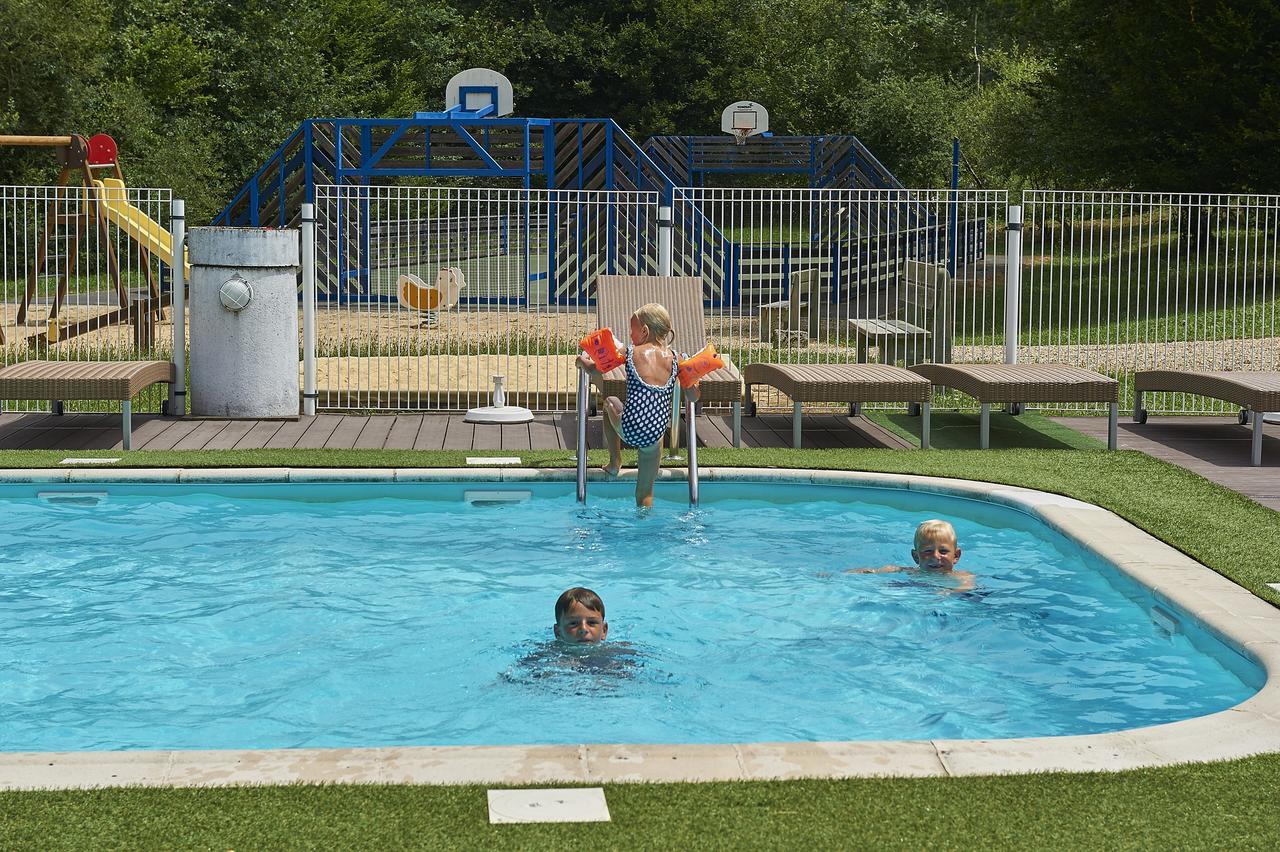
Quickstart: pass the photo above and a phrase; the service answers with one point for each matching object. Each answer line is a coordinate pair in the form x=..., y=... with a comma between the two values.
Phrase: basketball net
x=740, y=135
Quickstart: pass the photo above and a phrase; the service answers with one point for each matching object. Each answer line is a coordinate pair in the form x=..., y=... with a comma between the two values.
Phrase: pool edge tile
x=83, y=769
x=341, y=474
x=483, y=764
x=36, y=475
x=234, y=474
x=126, y=474
x=853, y=759
x=609, y=763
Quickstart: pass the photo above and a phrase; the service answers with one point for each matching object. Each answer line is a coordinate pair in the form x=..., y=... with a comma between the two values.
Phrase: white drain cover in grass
x=1275, y=586
x=573, y=805
x=486, y=460
x=88, y=461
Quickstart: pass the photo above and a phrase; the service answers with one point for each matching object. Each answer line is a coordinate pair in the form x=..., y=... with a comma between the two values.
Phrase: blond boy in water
x=936, y=552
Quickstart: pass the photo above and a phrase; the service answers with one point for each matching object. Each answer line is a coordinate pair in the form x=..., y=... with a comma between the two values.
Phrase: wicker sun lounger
x=849, y=383
x=618, y=297
x=59, y=380
x=1019, y=383
x=1255, y=392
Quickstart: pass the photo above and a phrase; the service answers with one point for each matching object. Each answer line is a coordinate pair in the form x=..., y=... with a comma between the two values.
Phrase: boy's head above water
x=936, y=548
x=580, y=617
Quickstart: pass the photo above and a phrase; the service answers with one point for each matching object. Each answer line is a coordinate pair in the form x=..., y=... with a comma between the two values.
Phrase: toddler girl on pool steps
x=651, y=382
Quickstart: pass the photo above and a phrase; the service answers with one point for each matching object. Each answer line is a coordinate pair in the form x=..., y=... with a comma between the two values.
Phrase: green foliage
x=1074, y=93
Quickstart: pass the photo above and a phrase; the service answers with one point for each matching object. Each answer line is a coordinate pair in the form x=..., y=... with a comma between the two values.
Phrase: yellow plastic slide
x=138, y=225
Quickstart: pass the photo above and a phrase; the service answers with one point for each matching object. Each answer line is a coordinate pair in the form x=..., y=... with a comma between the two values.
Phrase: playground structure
x=74, y=215
x=551, y=248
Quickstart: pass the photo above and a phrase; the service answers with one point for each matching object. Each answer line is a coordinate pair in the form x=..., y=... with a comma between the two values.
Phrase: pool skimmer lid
x=582, y=804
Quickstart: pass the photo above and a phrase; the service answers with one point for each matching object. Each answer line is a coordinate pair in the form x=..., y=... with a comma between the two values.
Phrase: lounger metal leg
x=924, y=425
x=984, y=426
x=1112, y=420
x=855, y=409
x=1255, y=457
x=795, y=426
x=127, y=423
x=737, y=424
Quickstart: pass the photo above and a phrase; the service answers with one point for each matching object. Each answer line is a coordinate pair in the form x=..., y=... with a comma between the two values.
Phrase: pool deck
x=1217, y=448
x=36, y=431
x=1187, y=591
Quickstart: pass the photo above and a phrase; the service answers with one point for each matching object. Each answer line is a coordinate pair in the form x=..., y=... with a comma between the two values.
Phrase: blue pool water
x=276, y=616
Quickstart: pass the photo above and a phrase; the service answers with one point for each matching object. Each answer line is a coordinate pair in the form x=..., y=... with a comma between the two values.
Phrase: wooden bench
x=795, y=318
x=919, y=329
x=59, y=380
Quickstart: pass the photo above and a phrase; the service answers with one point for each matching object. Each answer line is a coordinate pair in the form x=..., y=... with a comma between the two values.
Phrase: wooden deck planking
x=1217, y=448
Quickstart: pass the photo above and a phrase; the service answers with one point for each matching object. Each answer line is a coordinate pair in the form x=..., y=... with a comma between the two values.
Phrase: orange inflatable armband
x=602, y=346
x=696, y=366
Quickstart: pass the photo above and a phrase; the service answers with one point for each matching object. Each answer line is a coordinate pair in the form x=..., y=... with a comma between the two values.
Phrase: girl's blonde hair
x=656, y=318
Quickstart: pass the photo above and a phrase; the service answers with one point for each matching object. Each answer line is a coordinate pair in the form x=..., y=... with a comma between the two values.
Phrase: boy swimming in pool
x=651, y=383
x=936, y=551
x=580, y=617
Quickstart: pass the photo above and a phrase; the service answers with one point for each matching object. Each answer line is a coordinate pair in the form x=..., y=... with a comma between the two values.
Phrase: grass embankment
x=1200, y=806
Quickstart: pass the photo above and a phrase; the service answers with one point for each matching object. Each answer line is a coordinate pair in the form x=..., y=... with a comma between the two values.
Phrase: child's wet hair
x=581, y=596
x=657, y=319
x=933, y=530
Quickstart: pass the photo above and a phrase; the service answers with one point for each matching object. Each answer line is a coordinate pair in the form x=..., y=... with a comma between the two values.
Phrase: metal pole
x=178, y=270
x=666, y=224
x=953, y=208
x=1012, y=282
x=584, y=388
x=690, y=412
x=309, y=394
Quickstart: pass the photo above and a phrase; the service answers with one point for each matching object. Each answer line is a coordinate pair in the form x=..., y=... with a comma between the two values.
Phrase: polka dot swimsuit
x=647, y=411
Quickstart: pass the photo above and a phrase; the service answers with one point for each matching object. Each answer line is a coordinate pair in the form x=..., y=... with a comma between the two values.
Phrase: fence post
x=309, y=309
x=178, y=275
x=1012, y=282
x=666, y=224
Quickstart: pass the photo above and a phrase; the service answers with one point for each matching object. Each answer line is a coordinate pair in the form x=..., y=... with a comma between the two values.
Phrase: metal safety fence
x=838, y=276
x=1119, y=282
x=85, y=274
x=424, y=294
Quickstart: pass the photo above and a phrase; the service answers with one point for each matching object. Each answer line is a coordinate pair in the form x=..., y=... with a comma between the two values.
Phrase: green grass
x=1220, y=805
x=1209, y=806
x=953, y=430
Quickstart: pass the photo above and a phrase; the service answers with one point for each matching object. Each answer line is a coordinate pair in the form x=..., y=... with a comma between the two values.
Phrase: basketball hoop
x=744, y=119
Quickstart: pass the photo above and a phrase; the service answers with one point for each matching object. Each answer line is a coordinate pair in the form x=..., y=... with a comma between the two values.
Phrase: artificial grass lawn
x=1210, y=806
x=1207, y=805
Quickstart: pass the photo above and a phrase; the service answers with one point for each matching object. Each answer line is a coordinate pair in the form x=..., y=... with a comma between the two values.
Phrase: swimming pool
x=329, y=615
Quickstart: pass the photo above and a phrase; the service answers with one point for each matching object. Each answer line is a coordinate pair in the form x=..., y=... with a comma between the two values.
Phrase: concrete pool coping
x=1247, y=624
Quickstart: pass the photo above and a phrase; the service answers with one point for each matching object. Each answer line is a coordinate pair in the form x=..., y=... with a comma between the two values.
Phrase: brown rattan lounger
x=618, y=297
x=1019, y=383
x=59, y=380
x=1255, y=392
x=851, y=383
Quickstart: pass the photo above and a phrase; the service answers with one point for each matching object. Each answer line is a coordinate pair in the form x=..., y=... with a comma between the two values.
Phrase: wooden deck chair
x=618, y=297
x=414, y=294
x=1256, y=393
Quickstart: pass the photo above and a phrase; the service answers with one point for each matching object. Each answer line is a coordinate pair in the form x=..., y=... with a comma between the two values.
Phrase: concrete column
x=244, y=362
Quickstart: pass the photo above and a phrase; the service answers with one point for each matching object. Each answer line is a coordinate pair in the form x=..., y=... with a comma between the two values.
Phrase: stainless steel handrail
x=690, y=413
x=584, y=390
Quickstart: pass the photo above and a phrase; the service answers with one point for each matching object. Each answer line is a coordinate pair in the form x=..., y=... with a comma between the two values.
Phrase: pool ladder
x=690, y=414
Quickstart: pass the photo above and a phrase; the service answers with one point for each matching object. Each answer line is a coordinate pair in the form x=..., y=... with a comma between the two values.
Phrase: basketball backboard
x=479, y=90
x=743, y=119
